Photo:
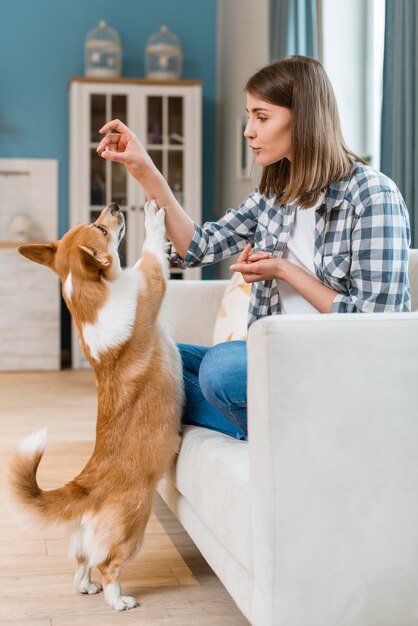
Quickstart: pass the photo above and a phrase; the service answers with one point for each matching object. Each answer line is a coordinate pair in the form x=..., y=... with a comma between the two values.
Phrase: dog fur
x=139, y=388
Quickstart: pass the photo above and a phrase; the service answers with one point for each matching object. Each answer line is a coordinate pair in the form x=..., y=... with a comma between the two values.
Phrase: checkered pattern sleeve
x=215, y=241
x=379, y=257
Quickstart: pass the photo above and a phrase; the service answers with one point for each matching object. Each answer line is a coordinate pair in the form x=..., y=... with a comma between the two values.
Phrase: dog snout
x=113, y=208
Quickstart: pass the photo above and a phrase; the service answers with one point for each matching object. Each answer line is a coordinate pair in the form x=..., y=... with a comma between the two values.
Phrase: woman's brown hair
x=319, y=153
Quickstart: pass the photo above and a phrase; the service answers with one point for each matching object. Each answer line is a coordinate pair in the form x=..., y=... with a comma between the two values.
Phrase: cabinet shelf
x=134, y=81
x=150, y=146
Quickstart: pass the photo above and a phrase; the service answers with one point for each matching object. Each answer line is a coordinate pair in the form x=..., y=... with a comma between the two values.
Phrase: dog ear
x=93, y=259
x=43, y=253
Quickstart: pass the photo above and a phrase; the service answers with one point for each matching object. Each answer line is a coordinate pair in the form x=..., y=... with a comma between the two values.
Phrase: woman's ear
x=43, y=253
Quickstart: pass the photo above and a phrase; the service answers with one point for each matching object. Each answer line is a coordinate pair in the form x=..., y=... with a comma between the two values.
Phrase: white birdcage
x=103, y=52
x=163, y=56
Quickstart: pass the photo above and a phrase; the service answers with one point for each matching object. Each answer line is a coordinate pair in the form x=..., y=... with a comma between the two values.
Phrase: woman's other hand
x=261, y=266
x=122, y=145
x=256, y=266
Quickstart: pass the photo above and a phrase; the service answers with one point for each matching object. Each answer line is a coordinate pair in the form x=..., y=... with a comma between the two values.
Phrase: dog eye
x=104, y=231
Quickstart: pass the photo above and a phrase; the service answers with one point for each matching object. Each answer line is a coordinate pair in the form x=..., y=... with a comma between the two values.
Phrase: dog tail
x=55, y=506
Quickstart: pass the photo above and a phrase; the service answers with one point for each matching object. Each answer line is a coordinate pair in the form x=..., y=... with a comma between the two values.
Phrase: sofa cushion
x=212, y=473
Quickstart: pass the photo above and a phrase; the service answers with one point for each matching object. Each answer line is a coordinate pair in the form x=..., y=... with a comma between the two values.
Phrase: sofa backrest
x=413, y=278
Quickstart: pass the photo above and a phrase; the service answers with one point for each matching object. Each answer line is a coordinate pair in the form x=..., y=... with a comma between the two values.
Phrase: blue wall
x=42, y=45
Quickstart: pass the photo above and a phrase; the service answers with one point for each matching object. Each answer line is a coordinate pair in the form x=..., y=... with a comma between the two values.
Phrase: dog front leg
x=112, y=591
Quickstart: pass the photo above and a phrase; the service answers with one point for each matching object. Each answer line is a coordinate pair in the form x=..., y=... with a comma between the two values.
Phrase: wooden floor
x=173, y=583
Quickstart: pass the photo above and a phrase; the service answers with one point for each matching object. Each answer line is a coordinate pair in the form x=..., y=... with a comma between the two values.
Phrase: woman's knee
x=223, y=373
x=191, y=357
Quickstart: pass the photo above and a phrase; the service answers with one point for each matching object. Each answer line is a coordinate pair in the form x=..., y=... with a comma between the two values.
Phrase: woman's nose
x=249, y=131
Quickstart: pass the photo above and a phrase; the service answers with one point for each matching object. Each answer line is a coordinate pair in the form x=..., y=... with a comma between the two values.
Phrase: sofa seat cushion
x=212, y=473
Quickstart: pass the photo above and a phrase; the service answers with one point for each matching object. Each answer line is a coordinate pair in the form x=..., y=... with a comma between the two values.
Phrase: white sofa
x=314, y=521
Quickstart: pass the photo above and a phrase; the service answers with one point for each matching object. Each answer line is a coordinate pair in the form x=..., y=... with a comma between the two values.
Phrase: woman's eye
x=261, y=118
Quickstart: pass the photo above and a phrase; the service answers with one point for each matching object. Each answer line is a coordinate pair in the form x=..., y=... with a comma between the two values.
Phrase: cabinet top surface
x=134, y=81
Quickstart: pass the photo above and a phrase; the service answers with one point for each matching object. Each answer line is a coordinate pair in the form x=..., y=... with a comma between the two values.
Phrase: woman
x=323, y=232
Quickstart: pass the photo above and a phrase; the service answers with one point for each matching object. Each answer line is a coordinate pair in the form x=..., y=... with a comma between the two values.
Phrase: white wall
x=353, y=38
x=242, y=49
x=344, y=31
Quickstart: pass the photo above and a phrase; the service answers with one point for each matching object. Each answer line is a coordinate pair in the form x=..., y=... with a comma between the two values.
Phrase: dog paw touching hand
x=151, y=208
x=154, y=216
x=155, y=235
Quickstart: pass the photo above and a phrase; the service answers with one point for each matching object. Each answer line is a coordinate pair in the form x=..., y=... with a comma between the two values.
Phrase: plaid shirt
x=361, y=245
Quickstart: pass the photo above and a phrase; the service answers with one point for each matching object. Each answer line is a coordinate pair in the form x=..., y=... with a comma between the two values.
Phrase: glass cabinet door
x=165, y=139
x=167, y=119
x=165, y=144
x=108, y=181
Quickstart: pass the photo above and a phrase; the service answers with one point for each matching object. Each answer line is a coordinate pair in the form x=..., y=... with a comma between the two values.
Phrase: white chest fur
x=116, y=319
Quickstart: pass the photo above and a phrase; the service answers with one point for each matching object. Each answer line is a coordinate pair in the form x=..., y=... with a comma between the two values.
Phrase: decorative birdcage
x=163, y=56
x=103, y=52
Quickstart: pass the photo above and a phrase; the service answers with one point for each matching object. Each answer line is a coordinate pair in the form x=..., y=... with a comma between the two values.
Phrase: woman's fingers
x=258, y=256
x=251, y=278
x=113, y=155
x=115, y=125
x=115, y=152
x=244, y=254
x=247, y=256
x=111, y=140
x=248, y=276
x=240, y=267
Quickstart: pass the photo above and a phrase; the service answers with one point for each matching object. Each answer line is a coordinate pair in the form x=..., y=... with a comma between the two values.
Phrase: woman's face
x=268, y=130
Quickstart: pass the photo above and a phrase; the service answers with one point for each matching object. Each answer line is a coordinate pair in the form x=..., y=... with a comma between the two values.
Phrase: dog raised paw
x=155, y=239
x=153, y=215
x=151, y=207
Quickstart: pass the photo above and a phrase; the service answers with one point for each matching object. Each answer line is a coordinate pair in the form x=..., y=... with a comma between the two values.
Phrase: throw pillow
x=231, y=321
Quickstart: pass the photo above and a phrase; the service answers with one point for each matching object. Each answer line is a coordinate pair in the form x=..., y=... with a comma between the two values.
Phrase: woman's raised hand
x=122, y=145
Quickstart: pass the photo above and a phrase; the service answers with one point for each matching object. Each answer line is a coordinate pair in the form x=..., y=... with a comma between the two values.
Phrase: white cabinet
x=167, y=119
x=29, y=314
x=29, y=292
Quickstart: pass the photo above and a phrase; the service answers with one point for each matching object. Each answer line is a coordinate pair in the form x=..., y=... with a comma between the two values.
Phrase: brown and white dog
x=139, y=387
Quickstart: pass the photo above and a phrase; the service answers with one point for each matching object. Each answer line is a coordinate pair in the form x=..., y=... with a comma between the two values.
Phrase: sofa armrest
x=191, y=307
x=413, y=278
x=333, y=446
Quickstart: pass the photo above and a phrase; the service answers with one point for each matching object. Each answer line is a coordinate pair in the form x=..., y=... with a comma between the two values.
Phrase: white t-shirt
x=300, y=251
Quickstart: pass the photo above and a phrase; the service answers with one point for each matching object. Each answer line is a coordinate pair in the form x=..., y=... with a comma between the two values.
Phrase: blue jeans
x=215, y=381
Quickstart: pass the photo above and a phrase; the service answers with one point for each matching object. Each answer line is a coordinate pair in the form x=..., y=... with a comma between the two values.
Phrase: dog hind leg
x=82, y=580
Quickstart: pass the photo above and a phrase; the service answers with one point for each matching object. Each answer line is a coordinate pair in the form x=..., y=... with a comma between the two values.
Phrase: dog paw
x=90, y=588
x=130, y=602
x=153, y=215
x=155, y=236
x=151, y=209
x=124, y=603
